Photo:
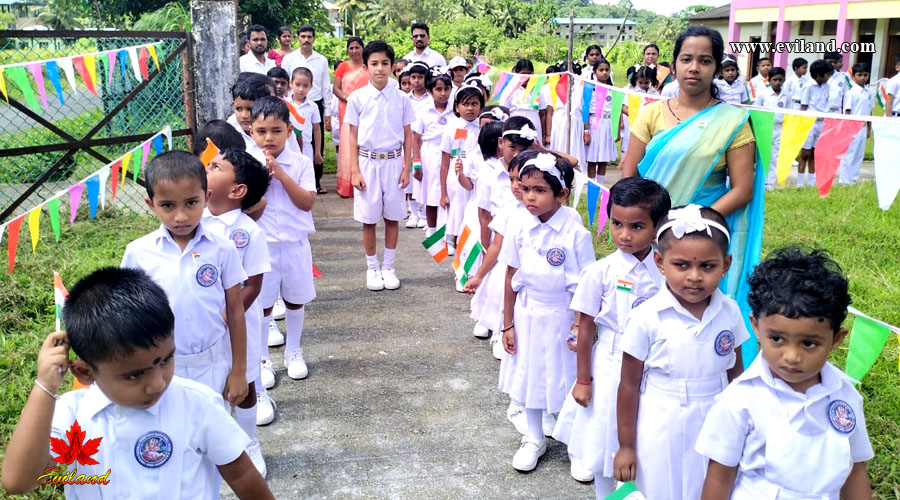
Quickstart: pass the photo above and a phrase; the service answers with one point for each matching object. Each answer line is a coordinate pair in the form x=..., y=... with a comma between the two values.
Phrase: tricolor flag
x=881, y=95
x=297, y=119
x=468, y=248
x=60, y=294
x=624, y=285
x=628, y=491
x=458, y=139
x=436, y=244
x=206, y=156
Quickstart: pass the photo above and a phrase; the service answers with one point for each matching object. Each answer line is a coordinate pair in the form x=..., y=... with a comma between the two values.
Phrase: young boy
x=221, y=133
x=310, y=135
x=814, y=96
x=201, y=274
x=282, y=82
x=760, y=82
x=458, y=70
x=838, y=83
x=237, y=182
x=794, y=82
x=287, y=222
x=244, y=93
x=892, y=89
x=418, y=73
x=858, y=101
x=774, y=97
x=379, y=117
x=791, y=425
x=120, y=327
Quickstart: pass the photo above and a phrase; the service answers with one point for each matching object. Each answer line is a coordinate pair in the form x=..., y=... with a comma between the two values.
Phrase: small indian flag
x=882, y=95
x=206, y=156
x=436, y=244
x=624, y=285
x=59, y=297
x=458, y=139
x=468, y=248
x=628, y=491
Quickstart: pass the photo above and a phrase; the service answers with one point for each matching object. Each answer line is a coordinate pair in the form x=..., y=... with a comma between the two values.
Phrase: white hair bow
x=525, y=132
x=495, y=112
x=546, y=162
x=689, y=219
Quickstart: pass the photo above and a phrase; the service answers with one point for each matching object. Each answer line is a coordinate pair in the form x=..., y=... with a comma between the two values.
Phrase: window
x=867, y=26
x=806, y=28
x=829, y=28
x=894, y=26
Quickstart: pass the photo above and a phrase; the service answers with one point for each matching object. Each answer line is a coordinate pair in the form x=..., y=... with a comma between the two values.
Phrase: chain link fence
x=164, y=101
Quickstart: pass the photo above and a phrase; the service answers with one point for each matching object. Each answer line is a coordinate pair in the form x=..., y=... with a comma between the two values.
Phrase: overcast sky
x=667, y=7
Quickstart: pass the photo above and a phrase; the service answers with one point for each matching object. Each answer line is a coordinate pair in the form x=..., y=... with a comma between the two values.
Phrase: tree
x=61, y=14
x=351, y=10
x=276, y=13
x=172, y=17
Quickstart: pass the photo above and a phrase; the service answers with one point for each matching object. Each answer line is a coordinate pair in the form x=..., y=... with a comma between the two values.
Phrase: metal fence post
x=215, y=56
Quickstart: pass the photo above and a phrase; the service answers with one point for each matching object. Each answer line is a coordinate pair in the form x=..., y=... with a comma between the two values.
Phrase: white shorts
x=383, y=198
x=813, y=136
x=210, y=367
x=291, y=274
x=253, y=317
x=335, y=131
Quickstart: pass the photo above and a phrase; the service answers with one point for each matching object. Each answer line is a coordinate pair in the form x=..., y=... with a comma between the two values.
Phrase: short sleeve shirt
x=892, y=87
x=380, y=116
x=859, y=101
x=311, y=117
x=733, y=93
x=282, y=221
x=430, y=123
x=815, y=96
x=838, y=85
x=454, y=128
x=249, y=63
x=429, y=56
x=248, y=238
x=769, y=99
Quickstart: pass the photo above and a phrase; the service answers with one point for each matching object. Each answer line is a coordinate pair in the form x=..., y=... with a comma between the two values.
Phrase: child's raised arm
x=236, y=387
x=625, y=463
x=300, y=197
x=28, y=451
x=719, y=481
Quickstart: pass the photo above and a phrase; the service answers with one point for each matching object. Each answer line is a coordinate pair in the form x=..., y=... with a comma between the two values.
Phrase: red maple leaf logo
x=77, y=449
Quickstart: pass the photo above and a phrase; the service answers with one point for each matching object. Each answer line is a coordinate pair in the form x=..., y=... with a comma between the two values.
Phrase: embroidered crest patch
x=442, y=120
x=556, y=256
x=841, y=416
x=207, y=275
x=153, y=449
x=240, y=237
x=724, y=343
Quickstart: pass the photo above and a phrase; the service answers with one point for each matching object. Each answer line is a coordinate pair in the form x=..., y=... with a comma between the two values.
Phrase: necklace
x=669, y=105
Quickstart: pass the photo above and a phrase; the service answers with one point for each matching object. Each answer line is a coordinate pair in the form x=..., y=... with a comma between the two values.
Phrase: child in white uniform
x=201, y=274
x=795, y=81
x=428, y=131
x=838, y=84
x=421, y=100
x=731, y=88
x=607, y=291
x=777, y=98
x=792, y=425
x=680, y=348
x=520, y=104
x=236, y=182
x=760, y=82
x=813, y=97
x=379, y=117
x=287, y=222
x=858, y=101
x=599, y=138
x=246, y=90
x=576, y=124
x=545, y=252
x=309, y=135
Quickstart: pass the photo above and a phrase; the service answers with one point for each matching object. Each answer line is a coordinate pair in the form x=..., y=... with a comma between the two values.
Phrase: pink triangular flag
x=600, y=93
x=111, y=58
x=601, y=212
x=146, y=151
x=837, y=134
x=74, y=198
x=36, y=72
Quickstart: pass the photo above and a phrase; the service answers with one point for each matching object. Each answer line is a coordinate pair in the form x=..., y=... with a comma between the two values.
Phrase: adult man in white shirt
x=422, y=52
x=256, y=60
x=320, y=93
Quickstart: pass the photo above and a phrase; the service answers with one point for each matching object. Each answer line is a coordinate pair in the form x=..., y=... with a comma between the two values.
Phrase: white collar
x=96, y=401
x=556, y=222
x=164, y=234
x=629, y=261
x=665, y=299
x=229, y=217
x=832, y=380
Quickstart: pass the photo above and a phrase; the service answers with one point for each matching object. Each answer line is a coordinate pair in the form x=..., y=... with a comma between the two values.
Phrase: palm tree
x=60, y=15
x=351, y=10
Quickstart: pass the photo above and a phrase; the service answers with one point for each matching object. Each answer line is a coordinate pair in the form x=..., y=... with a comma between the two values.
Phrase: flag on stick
x=628, y=491
x=458, y=139
x=60, y=294
x=209, y=152
x=436, y=244
x=468, y=248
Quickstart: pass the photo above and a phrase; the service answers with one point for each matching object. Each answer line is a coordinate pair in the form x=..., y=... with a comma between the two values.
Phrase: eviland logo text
x=76, y=450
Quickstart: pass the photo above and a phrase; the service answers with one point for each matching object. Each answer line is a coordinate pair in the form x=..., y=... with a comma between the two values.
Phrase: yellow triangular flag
x=125, y=161
x=91, y=64
x=3, y=85
x=553, y=81
x=634, y=106
x=34, y=226
x=152, y=50
x=794, y=131
x=529, y=87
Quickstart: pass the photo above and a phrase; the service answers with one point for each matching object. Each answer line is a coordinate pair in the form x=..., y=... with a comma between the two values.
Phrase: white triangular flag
x=104, y=175
x=168, y=133
x=133, y=57
x=887, y=168
x=580, y=181
x=65, y=63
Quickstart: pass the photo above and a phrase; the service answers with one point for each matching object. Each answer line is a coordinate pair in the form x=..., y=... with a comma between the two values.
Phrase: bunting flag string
x=833, y=143
x=867, y=339
x=95, y=185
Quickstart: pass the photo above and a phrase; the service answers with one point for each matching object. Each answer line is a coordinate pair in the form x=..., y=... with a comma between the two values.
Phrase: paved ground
x=401, y=400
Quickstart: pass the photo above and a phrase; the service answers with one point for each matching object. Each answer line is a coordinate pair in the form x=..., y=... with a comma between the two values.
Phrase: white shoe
x=579, y=472
x=295, y=365
x=278, y=310
x=526, y=458
x=411, y=222
x=265, y=409
x=373, y=280
x=256, y=457
x=390, y=280
x=548, y=423
x=267, y=373
x=420, y=222
x=276, y=338
x=481, y=332
x=516, y=416
x=497, y=347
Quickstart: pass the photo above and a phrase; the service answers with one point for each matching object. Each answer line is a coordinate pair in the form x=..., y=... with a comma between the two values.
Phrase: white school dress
x=549, y=257
x=603, y=141
x=467, y=147
x=785, y=444
x=558, y=132
x=685, y=365
x=733, y=93
x=518, y=107
x=858, y=101
x=418, y=104
x=608, y=290
x=430, y=124
x=767, y=98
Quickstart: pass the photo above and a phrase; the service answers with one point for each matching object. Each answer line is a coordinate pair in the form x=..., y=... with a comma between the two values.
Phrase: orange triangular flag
x=316, y=272
x=12, y=240
x=209, y=153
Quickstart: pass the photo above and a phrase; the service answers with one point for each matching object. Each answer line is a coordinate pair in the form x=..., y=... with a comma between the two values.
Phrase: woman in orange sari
x=349, y=76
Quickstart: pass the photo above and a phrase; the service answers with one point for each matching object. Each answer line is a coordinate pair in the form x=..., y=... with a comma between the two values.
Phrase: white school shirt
x=429, y=56
x=420, y=103
x=767, y=98
x=282, y=221
x=497, y=192
x=310, y=112
x=815, y=96
x=561, y=241
x=249, y=240
x=380, y=116
x=734, y=93
x=657, y=329
x=792, y=86
x=518, y=107
x=837, y=88
x=859, y=101
x=249, y=63
x=671, y=89
x=892, y=87
x=469, y=145
x=509, y=211
x=611, y=287
x=430, y=123
x=488, y=171
x=169, y=450
x=317, y=64
x=194, y=280
x=784, y=442
x=759, y=84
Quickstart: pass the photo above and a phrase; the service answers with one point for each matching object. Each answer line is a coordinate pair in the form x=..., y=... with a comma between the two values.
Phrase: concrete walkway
x=401, y=399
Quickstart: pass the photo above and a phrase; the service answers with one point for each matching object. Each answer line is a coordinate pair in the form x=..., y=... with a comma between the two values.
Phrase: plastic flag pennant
x=593, y=195
x=81, y=67
x=168, y=133
x=65, y=63
x=600, y=94
x=53, y=76
x=763, y=123
x=552, y=83
x=103, y=174
x=578, y=185
x=145, y=154
x=867, y=339
x=616, y=112
x=123, y=64
x=436, y=244
x=93, y=189
x=601, y=213
x=634, y=107
x=142, y=63
x=74, y=199
x=3, y=85
x=136, y=166
x=38, y=75
x=114, y=173
x=12, y=240
x=562, y=89
x=53, y=209
x=125, y=161
x=110, y=66
x=18, y=76
x=837, y=134
x=152, y=50
x=135, y=64
x=586, y=95
x=887, y=175
x=793, y=134
x=157, y=145
x=501, y=85
x=34, y=226
x=90, y=64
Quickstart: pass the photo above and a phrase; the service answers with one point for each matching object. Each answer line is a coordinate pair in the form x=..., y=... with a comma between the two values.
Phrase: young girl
x=545, y=252
x=405, y=85
x=680, y=349
x=418, y=73
x=428, y=130
x=607, y=291
x=460, y=140
x=599, y=138
x=558, y=131
x=731, y=87
x=642, y=80
x=591, y=55
x=520, y=105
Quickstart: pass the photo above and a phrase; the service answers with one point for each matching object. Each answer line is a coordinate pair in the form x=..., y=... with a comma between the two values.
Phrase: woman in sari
x=349, y=76
x=703, y=151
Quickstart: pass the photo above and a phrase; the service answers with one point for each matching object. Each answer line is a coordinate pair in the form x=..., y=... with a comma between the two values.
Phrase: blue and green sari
x=682, y=159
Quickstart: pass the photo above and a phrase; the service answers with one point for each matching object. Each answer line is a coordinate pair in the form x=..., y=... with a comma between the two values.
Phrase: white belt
x=218, y=351
x=759, y=487
x=530, y=296
x=381, y=155
x=684, y=389
x=607, y=339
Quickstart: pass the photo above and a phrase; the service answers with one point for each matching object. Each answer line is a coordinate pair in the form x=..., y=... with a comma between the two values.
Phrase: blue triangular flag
x=593, y=194
x=157, y=144
x=53, y=75
x=93, y=189
x=587, y=94
x=123, y=55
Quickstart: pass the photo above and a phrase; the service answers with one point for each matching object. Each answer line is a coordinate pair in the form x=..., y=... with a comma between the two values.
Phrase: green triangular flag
x=136, y=164
x=616, y=112
x=866, y=342
x=17, y=74
x=53, y=208
x=627, y=491
x=763, y=122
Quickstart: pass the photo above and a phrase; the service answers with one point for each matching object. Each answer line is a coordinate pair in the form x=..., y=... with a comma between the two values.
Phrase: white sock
x=372, y=261
x=534, y=417
x=246, y=419
x=600, y=179
x=800, y=178
x=429, y=231
x=293, y=320
x=388, y=260
x=414, y=207
x=421, y=209
x=410, y=205
x=264, y=338
x=812, y=179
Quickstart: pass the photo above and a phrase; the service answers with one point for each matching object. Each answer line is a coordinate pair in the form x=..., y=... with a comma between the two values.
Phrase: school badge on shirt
x=724, y=343
x=442, y=120
x=556, y=256
x=841, y=416
x=638, y=301
x=240, y=237
x=207, y=275
x=153, y=449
